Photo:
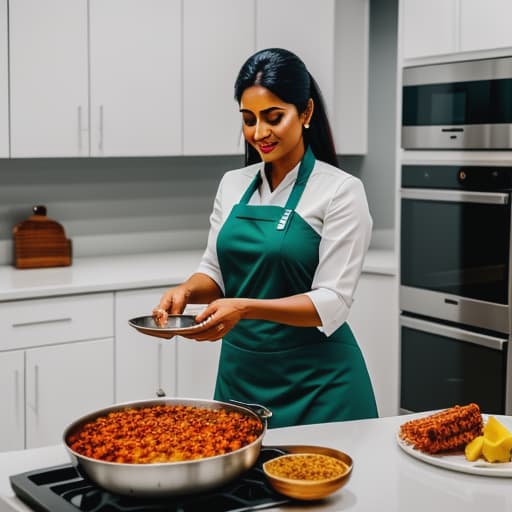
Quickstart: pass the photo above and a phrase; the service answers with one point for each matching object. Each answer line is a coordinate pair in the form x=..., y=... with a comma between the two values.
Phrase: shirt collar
x=288, y=179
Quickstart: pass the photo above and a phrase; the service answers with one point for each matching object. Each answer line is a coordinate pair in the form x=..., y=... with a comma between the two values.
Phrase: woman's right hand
x=174, y=300
x=199, y=288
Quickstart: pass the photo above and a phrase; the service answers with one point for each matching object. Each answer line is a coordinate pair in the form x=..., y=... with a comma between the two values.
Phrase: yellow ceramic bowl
x=299, y=484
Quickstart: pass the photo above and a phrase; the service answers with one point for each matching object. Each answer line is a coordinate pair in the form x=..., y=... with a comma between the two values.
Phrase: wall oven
x=458, y=105
x=443, y=365
x=455, y=286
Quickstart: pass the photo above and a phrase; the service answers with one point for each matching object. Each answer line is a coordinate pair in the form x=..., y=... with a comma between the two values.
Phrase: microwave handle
x=455, y=196
x=453, y=332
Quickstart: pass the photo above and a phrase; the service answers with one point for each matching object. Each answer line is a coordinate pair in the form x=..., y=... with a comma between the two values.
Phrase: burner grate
x=64, y=489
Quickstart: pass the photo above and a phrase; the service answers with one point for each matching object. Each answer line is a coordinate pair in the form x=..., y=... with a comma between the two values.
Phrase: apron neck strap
x=305, y=169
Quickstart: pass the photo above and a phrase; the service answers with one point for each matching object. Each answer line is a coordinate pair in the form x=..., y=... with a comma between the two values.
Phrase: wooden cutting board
x=40, y=242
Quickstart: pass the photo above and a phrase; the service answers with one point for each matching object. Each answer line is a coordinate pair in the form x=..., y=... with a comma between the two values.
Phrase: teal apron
x=300, y=374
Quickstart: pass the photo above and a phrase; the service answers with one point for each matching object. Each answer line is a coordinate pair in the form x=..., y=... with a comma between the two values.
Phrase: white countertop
x=122, y=272
x=384, y=477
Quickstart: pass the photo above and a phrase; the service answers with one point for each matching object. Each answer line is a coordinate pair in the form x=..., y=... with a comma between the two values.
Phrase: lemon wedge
x=497, y=441
x=473, y=450
x=495, y=445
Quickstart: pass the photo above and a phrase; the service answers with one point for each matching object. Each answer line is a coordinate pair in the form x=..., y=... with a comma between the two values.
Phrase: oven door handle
x=461, y=196
x=456, y=333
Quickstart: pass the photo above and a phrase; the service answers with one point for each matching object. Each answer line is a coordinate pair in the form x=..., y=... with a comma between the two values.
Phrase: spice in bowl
x=308, y=476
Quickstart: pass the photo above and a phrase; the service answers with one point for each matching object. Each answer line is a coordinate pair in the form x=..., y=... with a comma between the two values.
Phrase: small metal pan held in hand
x=175, y=326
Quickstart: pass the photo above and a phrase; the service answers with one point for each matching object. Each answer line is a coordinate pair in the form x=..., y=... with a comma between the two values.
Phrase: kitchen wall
x=377, y=167
x=113, y=205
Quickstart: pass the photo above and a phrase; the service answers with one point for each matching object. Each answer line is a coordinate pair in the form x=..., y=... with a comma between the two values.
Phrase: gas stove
x=64, y=489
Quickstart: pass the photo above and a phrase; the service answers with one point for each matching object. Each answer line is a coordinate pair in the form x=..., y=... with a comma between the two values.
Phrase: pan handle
x=260, y=410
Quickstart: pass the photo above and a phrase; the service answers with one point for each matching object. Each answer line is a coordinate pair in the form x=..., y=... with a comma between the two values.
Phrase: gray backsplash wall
x=115, y=205
x=377, y=168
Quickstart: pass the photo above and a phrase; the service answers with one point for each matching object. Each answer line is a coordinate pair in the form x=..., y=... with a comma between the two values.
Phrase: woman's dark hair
x=285, y=75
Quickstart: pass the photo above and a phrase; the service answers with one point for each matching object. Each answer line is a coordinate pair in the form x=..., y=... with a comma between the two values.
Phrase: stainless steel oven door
x=443, y=365
x=455, y=256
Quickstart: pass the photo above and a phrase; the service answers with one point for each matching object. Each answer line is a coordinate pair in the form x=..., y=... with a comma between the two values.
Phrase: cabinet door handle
x=40, y=322
x=455, y=196
x=80, y=129
x=17, y=391
x=35, y=405
x=456, y=333
x=36, y=389
x=159, y=391
x=100, y=143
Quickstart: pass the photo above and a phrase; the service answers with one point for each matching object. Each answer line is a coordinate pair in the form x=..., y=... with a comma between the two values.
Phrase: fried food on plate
x=450, y=429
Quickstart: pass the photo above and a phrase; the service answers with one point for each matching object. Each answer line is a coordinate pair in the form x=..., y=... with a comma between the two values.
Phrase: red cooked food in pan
x=164, y=433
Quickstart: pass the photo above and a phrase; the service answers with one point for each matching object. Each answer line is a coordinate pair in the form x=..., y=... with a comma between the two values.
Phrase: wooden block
x=41, y=242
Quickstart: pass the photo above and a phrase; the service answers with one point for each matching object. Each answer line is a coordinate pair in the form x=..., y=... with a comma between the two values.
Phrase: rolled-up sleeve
x=345, y=239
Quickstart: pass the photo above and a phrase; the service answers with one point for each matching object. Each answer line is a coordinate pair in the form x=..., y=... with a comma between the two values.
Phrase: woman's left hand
x=221, y=316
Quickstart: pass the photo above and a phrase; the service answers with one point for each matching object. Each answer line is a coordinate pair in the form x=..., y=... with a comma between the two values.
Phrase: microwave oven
x=458, y=105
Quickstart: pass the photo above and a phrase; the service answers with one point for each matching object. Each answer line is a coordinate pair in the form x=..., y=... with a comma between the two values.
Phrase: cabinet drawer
x=37, y=322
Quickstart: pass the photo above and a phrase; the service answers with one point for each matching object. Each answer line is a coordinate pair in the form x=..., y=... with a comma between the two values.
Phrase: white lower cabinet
x=147, y=367
x=374, y=320
x=197, y=363
x=44, y=389
x=56, y=364
x=63, y=383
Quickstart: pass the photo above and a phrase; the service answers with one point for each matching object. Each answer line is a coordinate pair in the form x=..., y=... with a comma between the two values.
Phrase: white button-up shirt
x=334, y=204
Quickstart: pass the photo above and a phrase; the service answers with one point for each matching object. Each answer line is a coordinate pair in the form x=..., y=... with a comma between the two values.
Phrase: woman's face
x=273, y=127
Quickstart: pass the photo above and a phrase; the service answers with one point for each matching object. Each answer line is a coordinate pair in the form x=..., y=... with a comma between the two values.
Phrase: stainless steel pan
x=170, y=478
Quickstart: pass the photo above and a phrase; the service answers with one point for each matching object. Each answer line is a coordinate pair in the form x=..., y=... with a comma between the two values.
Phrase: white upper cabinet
x=429, y=27
x=485, y=25
x=218, y=38
x=442, y=27
x=48, y=78
x=305, y=27
x=4, y=83
x=135, y=77
x=156, y=77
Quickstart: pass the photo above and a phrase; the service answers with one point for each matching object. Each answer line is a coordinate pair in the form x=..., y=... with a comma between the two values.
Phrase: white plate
x=457, y=461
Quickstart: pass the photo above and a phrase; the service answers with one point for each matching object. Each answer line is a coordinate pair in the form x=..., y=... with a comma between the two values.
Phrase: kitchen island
x=384, y=478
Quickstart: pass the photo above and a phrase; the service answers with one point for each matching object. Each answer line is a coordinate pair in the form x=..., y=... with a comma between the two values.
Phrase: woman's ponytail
x=319, y=135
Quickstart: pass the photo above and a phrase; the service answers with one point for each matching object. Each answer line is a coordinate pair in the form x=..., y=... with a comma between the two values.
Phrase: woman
x=288, y=236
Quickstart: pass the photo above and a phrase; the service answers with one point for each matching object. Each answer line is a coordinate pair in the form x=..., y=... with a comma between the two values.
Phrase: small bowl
x=305, y=489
